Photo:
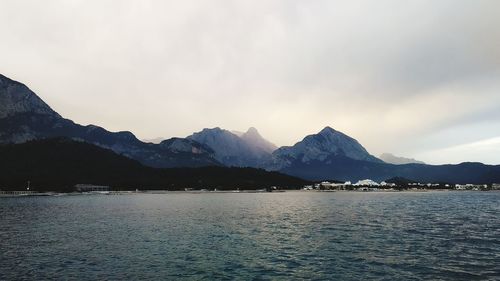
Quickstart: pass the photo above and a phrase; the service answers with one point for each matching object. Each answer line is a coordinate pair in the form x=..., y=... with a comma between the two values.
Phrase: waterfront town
x=366, y=185
x=397, y=185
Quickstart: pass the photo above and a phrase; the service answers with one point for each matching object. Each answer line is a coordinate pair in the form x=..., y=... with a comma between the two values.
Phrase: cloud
x=389, y=73
x=485, y=151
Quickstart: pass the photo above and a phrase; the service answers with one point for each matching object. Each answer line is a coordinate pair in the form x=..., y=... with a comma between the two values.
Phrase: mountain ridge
x=255, y=140
x=319, y=147
x=18, y=98
x=398, y=160
x=324, y=155
x=247, y=150
x=58, y=164
x=24, y=117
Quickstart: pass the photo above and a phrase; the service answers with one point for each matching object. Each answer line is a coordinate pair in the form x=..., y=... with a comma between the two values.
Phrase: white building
x=330, y=185
x=470, y=186
x=366, y=182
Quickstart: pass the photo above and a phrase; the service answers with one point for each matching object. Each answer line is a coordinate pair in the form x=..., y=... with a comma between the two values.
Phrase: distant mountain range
x=24, y=116
x=329, y=154
x=248, y=149
x=393, y=159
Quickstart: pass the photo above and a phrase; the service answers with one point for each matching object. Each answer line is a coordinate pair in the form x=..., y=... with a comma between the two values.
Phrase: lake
x=252, y=236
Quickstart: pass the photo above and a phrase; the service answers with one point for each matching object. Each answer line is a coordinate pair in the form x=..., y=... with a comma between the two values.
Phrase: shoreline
x=18, y=194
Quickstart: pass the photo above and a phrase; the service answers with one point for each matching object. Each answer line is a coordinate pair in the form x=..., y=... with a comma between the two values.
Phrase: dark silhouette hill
x=59, y=164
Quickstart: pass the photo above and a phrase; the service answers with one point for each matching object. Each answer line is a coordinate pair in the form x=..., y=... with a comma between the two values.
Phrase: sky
x=415, y=78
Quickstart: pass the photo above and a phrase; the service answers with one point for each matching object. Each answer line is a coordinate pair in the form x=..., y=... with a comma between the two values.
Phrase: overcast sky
x=415, y=78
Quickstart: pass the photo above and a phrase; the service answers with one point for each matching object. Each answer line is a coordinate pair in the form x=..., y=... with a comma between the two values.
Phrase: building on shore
x=91, y=188
x=308, y=187
x=334, y=186
x=470, y=186
x=387, y=184
x=17, y=192
x=366, y=182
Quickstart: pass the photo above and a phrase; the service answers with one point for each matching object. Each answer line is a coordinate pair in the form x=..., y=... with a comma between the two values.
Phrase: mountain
x=327, y=155
x=248, y=149
x=347, y=169
x=321, y=148
x=333, y=155
x=58, y=164
x=256, y=142
x=392, y=159
x=24, y=116
x=16, y=98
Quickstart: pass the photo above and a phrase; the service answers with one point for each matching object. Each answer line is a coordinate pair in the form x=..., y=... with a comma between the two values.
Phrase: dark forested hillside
x=59, y=164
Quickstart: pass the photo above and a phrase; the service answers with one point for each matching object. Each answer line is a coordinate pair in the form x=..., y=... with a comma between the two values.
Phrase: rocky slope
x=24, y=116
x=256, y=142
x=247, y=150
x=16, y=98
x=329, y=154
x=321, y=148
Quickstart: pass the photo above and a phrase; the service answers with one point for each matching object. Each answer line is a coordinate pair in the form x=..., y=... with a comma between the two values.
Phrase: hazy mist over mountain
x=398, y=160
x=416, y=78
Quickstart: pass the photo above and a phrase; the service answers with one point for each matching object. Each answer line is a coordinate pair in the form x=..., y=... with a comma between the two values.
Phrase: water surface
x=260, y=236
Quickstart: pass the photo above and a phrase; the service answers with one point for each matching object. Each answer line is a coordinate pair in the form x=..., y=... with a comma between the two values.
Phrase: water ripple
x=286, y=236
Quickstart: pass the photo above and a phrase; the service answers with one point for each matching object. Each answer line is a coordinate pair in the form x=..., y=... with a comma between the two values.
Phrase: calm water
x=284, y=236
